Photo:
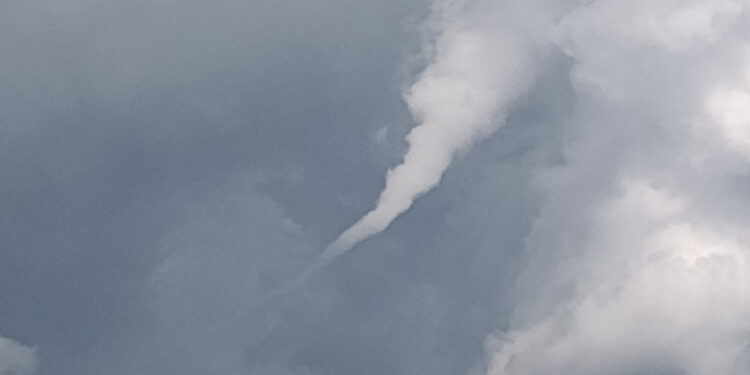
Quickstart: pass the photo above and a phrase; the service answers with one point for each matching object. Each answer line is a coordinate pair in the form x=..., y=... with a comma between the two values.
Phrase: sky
x=467, y=187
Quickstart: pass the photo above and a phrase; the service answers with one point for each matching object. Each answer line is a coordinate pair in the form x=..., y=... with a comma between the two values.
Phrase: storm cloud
x=558, y=187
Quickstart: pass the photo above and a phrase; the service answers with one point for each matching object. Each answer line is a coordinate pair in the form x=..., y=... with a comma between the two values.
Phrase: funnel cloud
x=473, y=77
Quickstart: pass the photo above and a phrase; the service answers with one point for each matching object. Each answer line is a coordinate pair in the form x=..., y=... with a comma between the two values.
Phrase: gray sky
x=167, y=165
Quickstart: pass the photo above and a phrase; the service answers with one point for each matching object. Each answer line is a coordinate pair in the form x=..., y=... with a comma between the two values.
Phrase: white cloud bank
x=16, y=359
x=643, y=249
x=667, y=295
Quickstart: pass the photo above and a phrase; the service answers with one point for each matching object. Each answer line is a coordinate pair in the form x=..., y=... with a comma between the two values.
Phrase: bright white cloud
x=671, y=297
x=644, y=267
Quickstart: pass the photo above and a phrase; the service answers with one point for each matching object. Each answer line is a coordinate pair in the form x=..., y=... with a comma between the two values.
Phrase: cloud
x=17, y=359
x=636, y=262
x=580, y=170
x=668, y=297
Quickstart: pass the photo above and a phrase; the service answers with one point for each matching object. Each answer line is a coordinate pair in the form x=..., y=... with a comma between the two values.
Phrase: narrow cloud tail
x=461, y=97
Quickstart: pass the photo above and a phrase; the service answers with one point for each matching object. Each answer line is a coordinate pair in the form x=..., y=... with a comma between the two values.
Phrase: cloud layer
x=570, y=178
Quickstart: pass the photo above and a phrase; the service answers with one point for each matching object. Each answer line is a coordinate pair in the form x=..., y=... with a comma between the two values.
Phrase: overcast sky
x=294, y=187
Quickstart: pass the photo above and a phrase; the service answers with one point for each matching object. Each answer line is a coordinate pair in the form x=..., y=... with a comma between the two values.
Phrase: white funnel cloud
x=482, y=60
x=477, y=71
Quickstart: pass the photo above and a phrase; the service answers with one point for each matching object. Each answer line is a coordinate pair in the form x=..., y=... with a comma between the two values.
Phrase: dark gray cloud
x=168, y=163
x=119, y=119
